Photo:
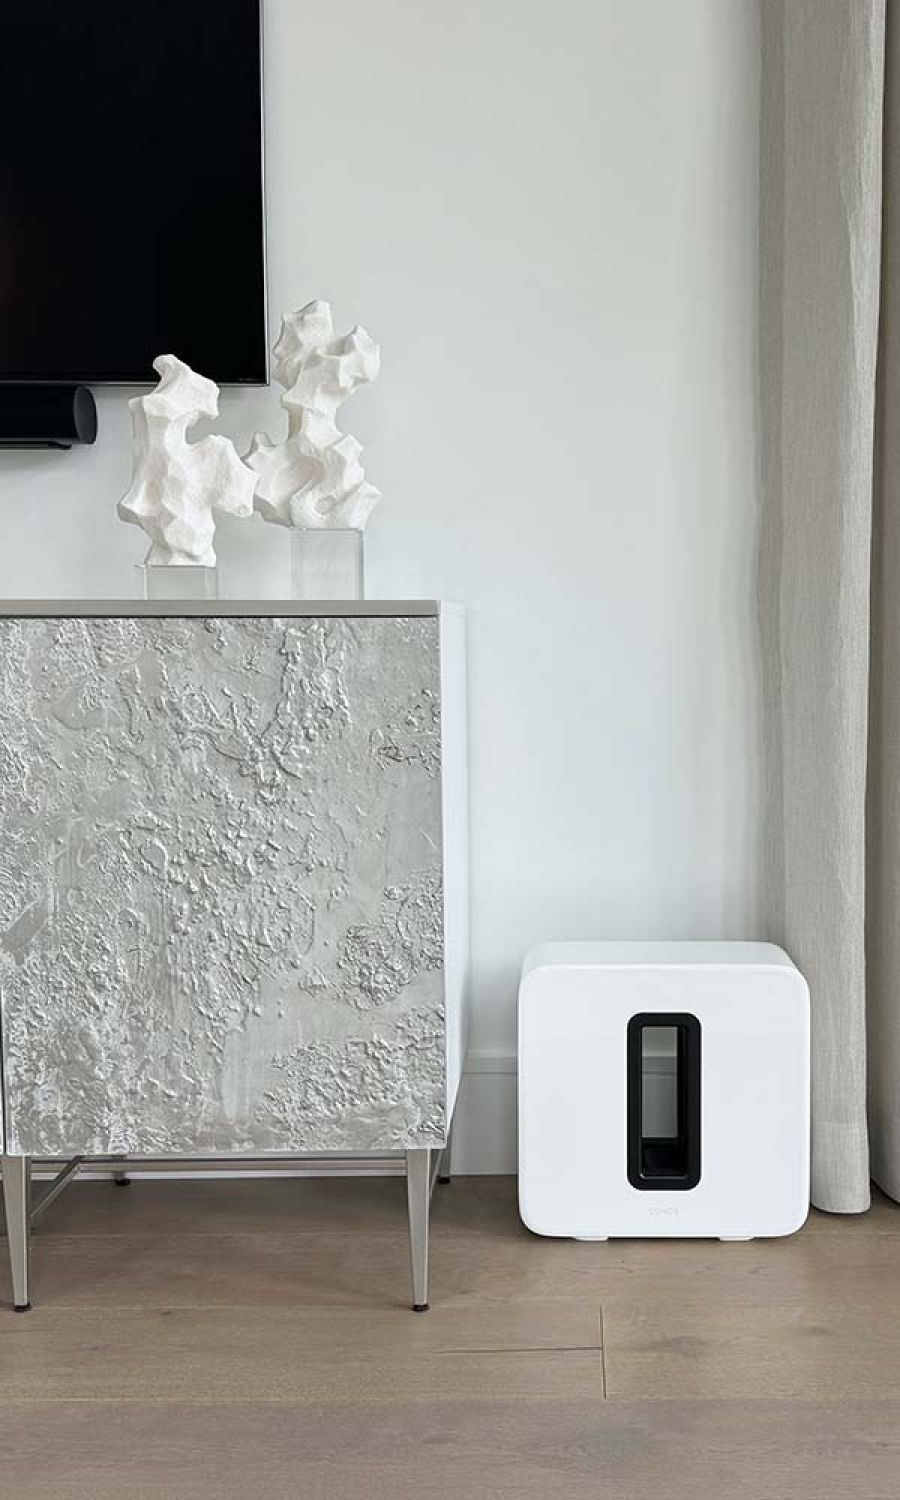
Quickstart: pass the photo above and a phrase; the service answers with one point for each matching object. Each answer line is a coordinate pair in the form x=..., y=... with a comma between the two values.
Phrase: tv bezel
x=129, y=382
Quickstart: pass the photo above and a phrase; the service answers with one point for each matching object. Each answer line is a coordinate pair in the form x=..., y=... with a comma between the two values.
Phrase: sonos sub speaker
x=663, y=1090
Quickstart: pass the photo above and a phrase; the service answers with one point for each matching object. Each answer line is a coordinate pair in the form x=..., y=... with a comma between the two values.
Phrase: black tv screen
x=131, y=189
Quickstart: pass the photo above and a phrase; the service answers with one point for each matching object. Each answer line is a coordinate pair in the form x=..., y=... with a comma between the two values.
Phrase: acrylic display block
x=327, y=564
x=178, y=582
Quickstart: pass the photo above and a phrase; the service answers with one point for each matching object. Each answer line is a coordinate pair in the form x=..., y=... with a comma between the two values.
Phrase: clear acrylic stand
x=327, y=564
x=158, y=581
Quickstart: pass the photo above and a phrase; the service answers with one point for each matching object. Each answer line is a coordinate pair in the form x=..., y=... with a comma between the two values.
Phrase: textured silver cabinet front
x=220, y=884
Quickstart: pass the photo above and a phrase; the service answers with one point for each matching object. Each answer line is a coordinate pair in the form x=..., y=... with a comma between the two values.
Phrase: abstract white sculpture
x=177, y=485
x=314, y=478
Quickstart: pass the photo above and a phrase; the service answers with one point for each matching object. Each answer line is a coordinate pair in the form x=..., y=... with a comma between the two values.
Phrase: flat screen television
x=131, y=189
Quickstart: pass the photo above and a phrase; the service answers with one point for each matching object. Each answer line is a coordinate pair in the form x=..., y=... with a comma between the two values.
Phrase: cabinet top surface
x=236, y=608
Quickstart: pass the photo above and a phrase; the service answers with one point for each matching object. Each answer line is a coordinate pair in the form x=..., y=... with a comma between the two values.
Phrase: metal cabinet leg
x=418, y=1197
x=444, y=1165
x=17, y=1204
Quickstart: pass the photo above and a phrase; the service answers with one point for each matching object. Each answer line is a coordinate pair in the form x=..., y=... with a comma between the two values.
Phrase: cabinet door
x=220, y=884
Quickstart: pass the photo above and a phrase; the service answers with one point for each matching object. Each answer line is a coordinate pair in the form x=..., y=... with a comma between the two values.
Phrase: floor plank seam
x=301, y=1402
x=603, y=1386
x=57, y=1236
x=521, y=1349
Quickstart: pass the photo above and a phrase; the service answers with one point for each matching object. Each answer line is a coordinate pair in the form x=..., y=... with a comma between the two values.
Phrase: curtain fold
x=884, y=741
x=820, y=255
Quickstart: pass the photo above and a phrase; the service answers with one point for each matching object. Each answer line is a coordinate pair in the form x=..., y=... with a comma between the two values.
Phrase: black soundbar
x=46, y=416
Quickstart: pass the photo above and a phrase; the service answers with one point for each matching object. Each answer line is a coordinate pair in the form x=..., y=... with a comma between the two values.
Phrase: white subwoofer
x=663, y=1090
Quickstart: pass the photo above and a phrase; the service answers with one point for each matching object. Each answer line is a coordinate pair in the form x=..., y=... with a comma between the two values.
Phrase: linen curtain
x=830, y=559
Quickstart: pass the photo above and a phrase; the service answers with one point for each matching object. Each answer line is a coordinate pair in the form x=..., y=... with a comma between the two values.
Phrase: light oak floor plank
x=161, y=1268
x=706, y=1348
x=456, y=1450
x=225, y=1204
x=278, y=1354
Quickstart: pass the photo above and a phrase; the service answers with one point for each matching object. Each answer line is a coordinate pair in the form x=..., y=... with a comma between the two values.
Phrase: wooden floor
x=251, y=1341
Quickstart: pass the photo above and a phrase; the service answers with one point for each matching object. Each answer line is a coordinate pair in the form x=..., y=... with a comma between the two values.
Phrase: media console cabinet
x=233, y=894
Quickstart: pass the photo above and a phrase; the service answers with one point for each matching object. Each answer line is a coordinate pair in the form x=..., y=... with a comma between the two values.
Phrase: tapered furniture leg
x=17, y=1205
x=418, y=1196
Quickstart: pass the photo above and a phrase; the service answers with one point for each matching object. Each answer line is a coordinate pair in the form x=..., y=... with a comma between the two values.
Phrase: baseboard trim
x=486, y=1124
x=492, y=1064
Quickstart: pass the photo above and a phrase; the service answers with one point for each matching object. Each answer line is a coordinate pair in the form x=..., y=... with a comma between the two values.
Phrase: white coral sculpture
x=177, y=486
x=315, y=478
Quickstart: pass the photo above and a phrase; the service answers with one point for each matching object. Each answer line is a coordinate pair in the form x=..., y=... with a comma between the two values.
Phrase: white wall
x=547, y=214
